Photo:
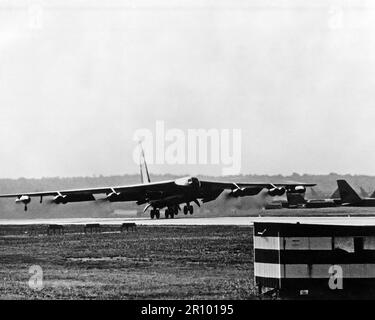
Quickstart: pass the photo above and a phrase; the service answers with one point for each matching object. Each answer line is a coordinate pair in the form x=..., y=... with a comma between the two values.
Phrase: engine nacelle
x=23, y=199
x=112, y=196
x=299, y=189
x=242, y=192
x=188, y=182
x=237, y=192
x=60, y=199
x=276, y=191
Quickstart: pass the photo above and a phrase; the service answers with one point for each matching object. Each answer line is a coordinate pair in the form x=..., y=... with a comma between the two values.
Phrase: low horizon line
x=185, y=175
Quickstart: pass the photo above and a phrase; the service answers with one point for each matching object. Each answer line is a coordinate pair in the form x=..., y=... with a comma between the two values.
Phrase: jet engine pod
x=73, y=198
x=276, y=191
x=242, y=192
x=113, y=196
x=237, y=192
x=60, y=199
x=23, y=199
x=188, y=182
x=299, y=189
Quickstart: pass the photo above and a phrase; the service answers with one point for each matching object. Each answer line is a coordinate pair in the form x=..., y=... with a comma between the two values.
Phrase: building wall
x=283, y=259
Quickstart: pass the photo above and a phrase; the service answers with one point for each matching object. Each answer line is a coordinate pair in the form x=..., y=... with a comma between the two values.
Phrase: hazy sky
x=77, y=78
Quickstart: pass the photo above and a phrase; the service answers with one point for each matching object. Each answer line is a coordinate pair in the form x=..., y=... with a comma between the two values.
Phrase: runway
x=239, y=221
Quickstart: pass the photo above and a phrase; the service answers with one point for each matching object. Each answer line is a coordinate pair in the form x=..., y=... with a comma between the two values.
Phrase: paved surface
x=197, y=221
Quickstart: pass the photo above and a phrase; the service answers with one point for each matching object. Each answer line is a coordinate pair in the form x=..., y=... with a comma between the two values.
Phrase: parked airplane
x=165, y=194
x=316, y=202
x=297, y=200
x=351, y=198
x=321, y=203
x=336, y=198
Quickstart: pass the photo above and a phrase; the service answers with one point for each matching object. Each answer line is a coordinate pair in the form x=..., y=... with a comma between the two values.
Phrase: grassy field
x=170, y=262
x=156, y=262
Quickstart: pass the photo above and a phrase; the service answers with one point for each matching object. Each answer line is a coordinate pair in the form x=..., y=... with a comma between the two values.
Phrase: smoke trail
x=226, y=203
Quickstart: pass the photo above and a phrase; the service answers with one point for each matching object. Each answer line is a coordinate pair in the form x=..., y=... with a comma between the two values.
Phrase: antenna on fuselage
x=143, y=165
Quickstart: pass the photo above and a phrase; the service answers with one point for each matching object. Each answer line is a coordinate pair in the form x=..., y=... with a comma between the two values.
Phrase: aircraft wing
x=233, y=185
x=251, y=189
x=136, y=188
x=162, y=186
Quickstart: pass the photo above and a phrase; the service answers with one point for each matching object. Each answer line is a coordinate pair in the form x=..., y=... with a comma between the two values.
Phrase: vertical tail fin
x=347, y=193
x=145, y=176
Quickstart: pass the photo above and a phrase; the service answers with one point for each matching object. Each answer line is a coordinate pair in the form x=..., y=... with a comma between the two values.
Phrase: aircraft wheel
x=157, y=214
x=191, y=209
x=186, y=209
x=166, y=213
x=152, y=214
x=172, y=214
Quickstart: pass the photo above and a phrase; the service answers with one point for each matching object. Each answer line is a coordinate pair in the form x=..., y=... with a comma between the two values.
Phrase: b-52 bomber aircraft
x=350, y=198
x=165, y=194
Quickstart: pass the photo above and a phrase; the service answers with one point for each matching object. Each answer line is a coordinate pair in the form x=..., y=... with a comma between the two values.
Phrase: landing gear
x=191, y=209
x=171, y=212
x=154, y=213
x=188, y=209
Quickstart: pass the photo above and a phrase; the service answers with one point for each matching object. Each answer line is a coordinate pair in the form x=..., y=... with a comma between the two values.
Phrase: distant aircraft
x=321, y=203
x=165, y=194
x=351, y=198
x=333, y=201
x=298, y=201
